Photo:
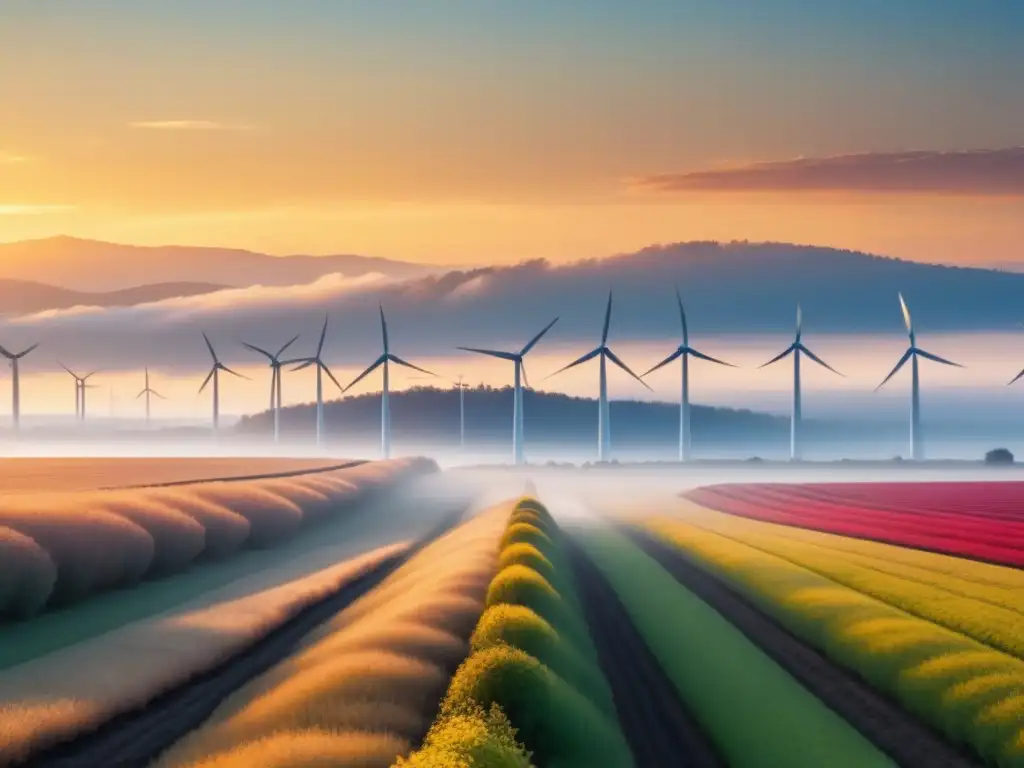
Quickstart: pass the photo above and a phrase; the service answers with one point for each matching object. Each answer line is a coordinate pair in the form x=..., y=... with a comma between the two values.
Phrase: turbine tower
x=80, y=385
x=796, y=349
x=385, y=406
x=214, y=374
x=15, y=358
x=912, y=354
x=321, y=369
x=147, y=391
x=603, y=412
x=275, y=380
x=683, y=352
x=517, y=390
x=462, y=411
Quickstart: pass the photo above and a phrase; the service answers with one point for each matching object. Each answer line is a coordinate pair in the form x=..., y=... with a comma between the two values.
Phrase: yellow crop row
x=971, y=692
x=364, y=688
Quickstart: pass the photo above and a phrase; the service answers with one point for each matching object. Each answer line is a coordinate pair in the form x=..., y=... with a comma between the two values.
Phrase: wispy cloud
x=968, y=172
x=10, y=158
x=32, y=210
x=189, y=125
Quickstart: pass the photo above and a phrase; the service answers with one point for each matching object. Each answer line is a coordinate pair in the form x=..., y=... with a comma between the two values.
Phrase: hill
x=26, y=296
x=91, y=265
x=550, y=418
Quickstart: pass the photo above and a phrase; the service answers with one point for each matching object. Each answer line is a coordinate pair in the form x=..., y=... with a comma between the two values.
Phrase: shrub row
x=364, y=687
x=59, y=548
x=533, y=663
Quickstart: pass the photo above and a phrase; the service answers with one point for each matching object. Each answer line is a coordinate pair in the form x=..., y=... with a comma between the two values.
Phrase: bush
x=226, y=531
x=272, y=518
x=529, y=556
x=517, y=626
x=27, y=574
x=525, y=533
x=471, y=737
x=519, y=585
x=999, y=456
x=177, y=538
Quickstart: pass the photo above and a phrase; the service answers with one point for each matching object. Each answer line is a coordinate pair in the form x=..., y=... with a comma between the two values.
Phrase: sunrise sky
x=486, y=131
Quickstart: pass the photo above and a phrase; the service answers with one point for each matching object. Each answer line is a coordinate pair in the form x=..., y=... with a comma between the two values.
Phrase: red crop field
x=979, y=520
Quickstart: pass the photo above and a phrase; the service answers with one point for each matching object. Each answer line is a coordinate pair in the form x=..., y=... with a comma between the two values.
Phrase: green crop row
x=533, y=673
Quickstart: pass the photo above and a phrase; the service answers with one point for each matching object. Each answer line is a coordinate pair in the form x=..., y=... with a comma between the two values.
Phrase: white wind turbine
x=603, y=412
x=321, y=369
x=214, y=375
x=80, y=387
x=517, y=390
x=275, y=380
x=912, y=354
x=385, y=405
x=148, y=391
x=683, y=352
x=15, y=358
x=796, y=349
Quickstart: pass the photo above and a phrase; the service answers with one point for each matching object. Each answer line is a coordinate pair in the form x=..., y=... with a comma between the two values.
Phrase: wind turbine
x=385, y=406
x=15, y=358
x=796, y=349
x=80, y=385
x=517, y=391
x=912, y=354
x=147, y=391
x=683, y=352
x=603, y=413
x=275, y=380
x=321, y=368
x=214, y=374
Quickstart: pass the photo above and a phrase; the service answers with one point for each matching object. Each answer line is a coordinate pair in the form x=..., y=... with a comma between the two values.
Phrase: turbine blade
x=67, y=369
x=492, y=352
x=937, y=359
x=305, y=363
x=373, y=366
x=522, y=368
x=383, y=328
x=709, y=358
x=142, y=393
x=330, y=375
x=607, y=320
x=209, y=346
x=323, y=337
x=287, y=344
x=537, y=338
x=900, y=364
x=25, y=352
x=799, y=321
x=578, y=361
x=207, y=379
x=233, y=373
x=254, y=348
x=787, y=351
x=818, y=360
x=5, y=353
x=154, y=392
x=626, y=368
x=682, y=320
x=664, y=362
x=906, y=315
x=399, y=361
x=1015, y=378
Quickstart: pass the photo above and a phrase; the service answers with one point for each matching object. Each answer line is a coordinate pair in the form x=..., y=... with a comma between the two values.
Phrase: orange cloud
x=188, y=125
x=966, y=172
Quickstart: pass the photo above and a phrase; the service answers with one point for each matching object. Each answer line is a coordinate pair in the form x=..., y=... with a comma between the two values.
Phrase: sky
x=466, y=133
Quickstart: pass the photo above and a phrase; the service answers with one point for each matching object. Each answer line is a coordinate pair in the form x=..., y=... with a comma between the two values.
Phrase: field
x=444, y=619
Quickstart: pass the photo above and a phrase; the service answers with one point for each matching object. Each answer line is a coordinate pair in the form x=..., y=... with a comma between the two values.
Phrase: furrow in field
x=884, y=723
x=137, y=737
x=659, y=727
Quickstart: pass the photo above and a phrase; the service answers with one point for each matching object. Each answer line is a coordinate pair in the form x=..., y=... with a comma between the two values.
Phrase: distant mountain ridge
x=92, y=265
x=21, y=297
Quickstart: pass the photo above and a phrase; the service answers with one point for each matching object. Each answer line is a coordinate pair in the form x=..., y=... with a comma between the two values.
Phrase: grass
x=407, y=510
x=376, y=671
x=533, y=659
x=755, y=713
x=74, y=690
x=964, y=689
x=103, y=540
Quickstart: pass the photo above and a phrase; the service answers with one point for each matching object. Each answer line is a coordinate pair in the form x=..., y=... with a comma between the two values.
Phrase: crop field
x=388, y=614
x=32, y=475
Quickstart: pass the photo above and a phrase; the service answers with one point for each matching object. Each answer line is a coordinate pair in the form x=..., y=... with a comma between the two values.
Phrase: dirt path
x=657, y=725
x=137, y=738
x=884, y=723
